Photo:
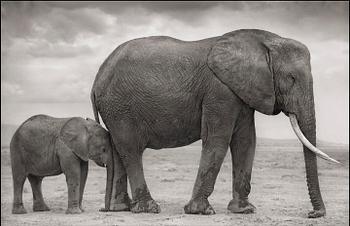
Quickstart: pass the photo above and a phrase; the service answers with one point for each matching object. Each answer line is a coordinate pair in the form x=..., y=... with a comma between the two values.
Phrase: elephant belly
x=164, y=121
x=171, y=119
x=174, y=132
x=41, y=165
x=39, y=169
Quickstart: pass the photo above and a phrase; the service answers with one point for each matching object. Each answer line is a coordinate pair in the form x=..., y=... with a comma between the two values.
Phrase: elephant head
x=88, y=140
x=273, y=74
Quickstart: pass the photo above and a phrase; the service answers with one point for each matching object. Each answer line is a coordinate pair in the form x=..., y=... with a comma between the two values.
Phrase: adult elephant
x=160, y=92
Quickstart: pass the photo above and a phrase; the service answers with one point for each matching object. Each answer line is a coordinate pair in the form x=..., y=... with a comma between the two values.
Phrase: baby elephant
x=46, y=146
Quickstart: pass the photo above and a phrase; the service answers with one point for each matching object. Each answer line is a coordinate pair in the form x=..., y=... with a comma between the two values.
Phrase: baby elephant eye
x=104, y=149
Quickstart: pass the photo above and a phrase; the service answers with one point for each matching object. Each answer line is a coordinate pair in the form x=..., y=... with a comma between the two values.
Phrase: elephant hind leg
x=38, y=200
x=19, y=178
x=130, y=146
x=120, y=200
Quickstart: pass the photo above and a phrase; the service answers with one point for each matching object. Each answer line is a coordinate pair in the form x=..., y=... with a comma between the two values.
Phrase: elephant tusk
x=306, y=142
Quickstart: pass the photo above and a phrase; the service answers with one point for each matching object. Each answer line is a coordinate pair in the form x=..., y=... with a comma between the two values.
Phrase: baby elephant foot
x=317, y=213
x=199, y=206
x=40, y=206
x=73, y=210
x=241, y=206
x=18, y=209
x=145, y=206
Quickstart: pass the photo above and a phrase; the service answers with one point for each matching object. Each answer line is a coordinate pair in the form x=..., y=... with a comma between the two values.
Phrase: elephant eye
x=104, y=149
x=291, y=78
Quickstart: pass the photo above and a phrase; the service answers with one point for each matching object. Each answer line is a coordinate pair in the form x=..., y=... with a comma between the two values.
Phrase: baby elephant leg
x=84, y=167
x=18, y=177
x=18, y=182
x=38, y=200
x=71, y=169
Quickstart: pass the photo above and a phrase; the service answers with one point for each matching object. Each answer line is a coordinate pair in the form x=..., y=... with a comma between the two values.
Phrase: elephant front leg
x=210, y=163
x=71, y=169
x=216, y=134
x=84, y=167
x=242, y=152
x=73, y=183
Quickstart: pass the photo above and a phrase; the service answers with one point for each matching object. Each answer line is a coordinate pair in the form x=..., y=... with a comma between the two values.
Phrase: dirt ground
x=278, y=191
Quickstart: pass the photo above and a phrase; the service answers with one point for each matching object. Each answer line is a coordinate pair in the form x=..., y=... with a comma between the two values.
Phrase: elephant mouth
x=277, y=109
x=288, y=113
x=101, y=164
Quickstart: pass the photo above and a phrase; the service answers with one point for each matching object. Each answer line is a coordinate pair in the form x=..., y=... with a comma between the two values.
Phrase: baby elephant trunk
x=109, y=182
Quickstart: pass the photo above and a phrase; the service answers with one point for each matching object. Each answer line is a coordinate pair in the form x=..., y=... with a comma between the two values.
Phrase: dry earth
x=278, y=191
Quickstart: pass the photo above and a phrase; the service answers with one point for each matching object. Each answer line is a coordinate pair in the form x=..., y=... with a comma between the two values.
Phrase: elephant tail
x=94, y=107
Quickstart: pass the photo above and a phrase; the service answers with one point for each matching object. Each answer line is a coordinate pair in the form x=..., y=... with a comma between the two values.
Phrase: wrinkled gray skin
x=160, y=92
x=46, y=146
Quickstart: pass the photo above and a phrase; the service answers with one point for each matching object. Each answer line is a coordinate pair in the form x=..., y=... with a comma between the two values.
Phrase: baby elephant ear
x=75, y=135
x=241, y=61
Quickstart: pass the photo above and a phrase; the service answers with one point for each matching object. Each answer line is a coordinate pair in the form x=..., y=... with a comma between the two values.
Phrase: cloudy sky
x=51, y=51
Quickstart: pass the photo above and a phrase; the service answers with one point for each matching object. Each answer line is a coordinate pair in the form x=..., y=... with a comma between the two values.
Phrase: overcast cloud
x=51, y=51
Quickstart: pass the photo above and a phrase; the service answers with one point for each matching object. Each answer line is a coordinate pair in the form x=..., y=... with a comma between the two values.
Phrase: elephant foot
x=19, y=209
x=82, y=209
x=118, y=207
x=317, y=213
x=145, y=206
x=241, y=206
x=40, y=206
x=121, y=203
x=199, y=206
x=73, y=210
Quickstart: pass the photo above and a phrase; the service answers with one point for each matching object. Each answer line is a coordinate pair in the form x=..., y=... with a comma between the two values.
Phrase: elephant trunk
x=307, y=122
x=311, y=168
x=109, y=182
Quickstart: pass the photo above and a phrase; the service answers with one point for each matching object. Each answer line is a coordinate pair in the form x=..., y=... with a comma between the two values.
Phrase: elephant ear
x=242, y=62
x=75, y=135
